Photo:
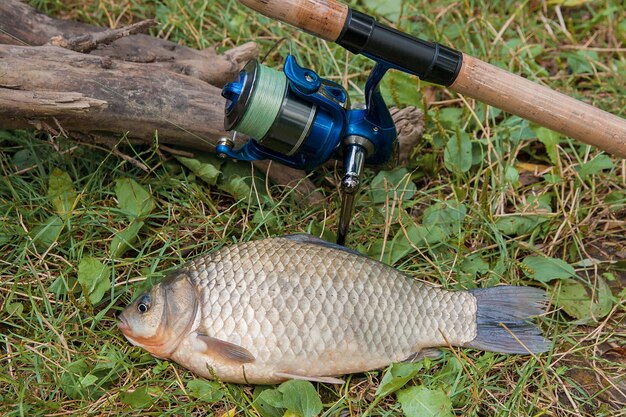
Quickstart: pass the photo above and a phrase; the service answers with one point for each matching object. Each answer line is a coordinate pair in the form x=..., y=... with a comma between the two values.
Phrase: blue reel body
x=317, y=111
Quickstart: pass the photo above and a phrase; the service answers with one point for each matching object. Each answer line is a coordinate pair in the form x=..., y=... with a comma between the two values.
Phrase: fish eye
x=143, y=304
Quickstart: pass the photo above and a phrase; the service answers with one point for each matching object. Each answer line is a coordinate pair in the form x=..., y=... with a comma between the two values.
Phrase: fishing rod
x=302, y=120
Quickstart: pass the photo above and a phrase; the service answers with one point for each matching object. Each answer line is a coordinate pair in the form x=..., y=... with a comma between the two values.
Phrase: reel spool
x=301, y=120
x=295, y=117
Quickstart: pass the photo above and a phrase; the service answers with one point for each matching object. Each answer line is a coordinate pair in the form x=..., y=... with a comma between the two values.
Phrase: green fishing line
x=265, y=102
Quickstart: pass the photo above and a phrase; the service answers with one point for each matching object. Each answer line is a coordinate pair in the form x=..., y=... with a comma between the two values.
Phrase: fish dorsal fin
x=226, y=350
x=322, y=379
x=314, y=240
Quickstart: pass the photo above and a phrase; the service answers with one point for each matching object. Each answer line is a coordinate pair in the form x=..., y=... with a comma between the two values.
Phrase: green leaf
x=576, y=300
x=14, y=308
x=94, y=278
x=387, y=8
x=301, y=397
x=544, y=269
x=124, y=239
x=550, y=140
x=516, y=225
x=88, y=380
x=448, y=215
x=450, y=117
x=132, y=198
x=204, y=166
x=137, y=399
x=401, y=89
x=268, y=402
x=581, y=61
x=458, y=153
x=423, y=402
x=203, y=390
x=395, y=184
x=474, y=265
x=396, y=376
x=511, y=174
x=237, y=187
x=61, y=192
x=47, y=233
x=23, y=159
x=597, y=164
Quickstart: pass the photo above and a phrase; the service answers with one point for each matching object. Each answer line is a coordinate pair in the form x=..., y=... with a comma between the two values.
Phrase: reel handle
x=359, y=33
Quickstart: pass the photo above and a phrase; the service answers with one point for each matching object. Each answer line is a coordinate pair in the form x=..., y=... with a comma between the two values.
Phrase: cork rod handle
x=541, y=105
x=323, y=18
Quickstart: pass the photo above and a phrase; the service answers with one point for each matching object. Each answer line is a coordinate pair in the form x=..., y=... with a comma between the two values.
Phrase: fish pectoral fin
x=430, y=353
x=322, y=379
x=226, y=350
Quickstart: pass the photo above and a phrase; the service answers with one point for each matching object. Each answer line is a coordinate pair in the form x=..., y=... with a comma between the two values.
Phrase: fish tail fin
x=502, y=320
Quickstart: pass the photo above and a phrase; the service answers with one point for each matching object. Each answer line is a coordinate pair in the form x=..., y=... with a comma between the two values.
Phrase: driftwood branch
x=89, y=42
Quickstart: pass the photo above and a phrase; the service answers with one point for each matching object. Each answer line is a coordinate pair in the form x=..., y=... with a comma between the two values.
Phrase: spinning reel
x=299, y=119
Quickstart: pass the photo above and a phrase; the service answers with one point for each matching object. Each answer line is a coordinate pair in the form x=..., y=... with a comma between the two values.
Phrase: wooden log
x=100, y=96
x=22, y=25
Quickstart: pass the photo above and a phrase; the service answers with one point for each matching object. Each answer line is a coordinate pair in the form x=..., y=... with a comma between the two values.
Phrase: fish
x=299, y=307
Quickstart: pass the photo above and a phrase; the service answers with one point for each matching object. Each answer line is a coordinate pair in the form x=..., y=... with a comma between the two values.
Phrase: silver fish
x=298, y=307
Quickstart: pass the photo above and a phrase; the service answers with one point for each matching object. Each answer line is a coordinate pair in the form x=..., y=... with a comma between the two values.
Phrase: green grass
x=60, y=354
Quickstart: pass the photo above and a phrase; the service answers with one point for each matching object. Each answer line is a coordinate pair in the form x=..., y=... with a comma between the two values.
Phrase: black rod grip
x=430, y=61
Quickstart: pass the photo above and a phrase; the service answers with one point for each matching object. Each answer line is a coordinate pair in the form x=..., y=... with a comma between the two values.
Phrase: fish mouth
x=123, y=324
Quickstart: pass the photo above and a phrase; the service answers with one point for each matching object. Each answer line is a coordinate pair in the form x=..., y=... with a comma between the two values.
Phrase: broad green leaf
x=577, y=301
x=124, y=239
x=94, y=278
x=516, y=225
x=550, y=140
x=88, y=380
x=392, y=185
x=597, y=164
x=204, y=166
x=400, y=89
x=77, y=381
x=301, y=397
x=424, y=402
x=237, y=180
x=396, y=376
x=23, y=159
x=581, y=61
x=132, y=198
x=511, y=174
x=237, y=187
x=450, y=117
x=448, y=215
x=458, y=153
x=47, y=233
x=616, y=200
x=387, y=8
x=137, y=399
x=203, y=390
x=451, y=371
x=474, y=265
x=15, y=308
x=61, y=192
x=544, y=269
x=268, y=402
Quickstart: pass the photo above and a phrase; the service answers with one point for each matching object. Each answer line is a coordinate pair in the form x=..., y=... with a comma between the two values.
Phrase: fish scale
x=333, y=298
x=298, y=307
